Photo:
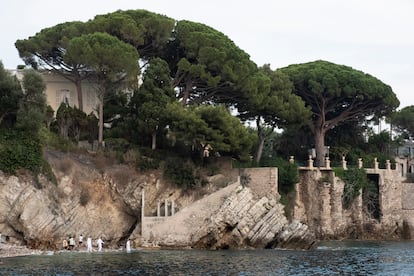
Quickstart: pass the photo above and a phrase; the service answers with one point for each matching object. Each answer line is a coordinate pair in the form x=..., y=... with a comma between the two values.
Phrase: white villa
x=59, y=89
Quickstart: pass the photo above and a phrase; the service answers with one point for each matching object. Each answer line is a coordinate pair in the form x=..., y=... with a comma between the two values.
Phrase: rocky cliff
x=99, y=199
x=231, y=218
x=385, y=216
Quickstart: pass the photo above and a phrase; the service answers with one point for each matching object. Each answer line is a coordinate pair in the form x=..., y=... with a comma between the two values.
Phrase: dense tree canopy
x=47, y=49
x=202, y=68
x=337, y=93
x=403, y=120
x=32, y=109
x=10, y=95
x=108, y=58
x=198, y=126
x=20, y=144
x=148, y=32
x=206, y=65
x=150, y=101
x=272, y=105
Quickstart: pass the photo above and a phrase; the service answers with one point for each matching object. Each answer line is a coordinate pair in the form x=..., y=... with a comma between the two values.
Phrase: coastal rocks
x=96, y=200
x=366, y=217
x=243, y=221
x=230, y=218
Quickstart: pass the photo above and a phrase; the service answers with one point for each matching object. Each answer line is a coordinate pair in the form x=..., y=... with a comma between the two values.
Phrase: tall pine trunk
x=320, y=147
x=261, y=140
x=78, y=84
x=101, y=117
x=154, y=140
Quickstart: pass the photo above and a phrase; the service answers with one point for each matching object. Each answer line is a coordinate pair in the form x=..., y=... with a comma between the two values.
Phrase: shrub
x=179, y=172
x=148, y=160
x=84, y=197
x=288, y=176
x=19, y=151
x=355, y=180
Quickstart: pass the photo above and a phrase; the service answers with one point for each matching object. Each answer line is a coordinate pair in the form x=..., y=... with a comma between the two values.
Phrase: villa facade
x=60, y=89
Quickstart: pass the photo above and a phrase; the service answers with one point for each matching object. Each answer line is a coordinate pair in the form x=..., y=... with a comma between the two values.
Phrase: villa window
x=63, y=96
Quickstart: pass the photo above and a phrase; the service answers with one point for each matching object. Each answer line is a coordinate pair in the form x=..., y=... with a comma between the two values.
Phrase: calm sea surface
x=330, y=258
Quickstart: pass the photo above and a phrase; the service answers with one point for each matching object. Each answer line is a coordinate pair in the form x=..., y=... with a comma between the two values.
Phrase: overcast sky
x=374, y=36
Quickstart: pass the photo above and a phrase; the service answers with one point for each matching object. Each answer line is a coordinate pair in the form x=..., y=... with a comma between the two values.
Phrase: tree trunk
x=261, y=139
x=186, y=92
x=154, y=140
x=78, y=84
x=260, y=149
x=2, y=116
x=320, y=147
x=101, y=120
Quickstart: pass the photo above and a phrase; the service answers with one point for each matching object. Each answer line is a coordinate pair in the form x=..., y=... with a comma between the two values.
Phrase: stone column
x=344, y=163
x=158, y=208
x=375, y=164
x=388, y=165
x=327, y=162
x=143, y=222
x=142, y=204
x=166, y=207
x=360, y=164
x=172, y=208
x=310, y=162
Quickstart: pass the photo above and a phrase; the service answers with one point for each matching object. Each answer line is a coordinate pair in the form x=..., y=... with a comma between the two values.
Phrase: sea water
x=330, y=258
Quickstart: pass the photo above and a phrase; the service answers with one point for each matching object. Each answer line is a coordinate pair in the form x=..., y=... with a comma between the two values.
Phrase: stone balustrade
x=344, y=164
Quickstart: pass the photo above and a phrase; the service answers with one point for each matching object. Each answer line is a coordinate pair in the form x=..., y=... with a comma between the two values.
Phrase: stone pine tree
x=403, y=120
x=148, y=32
x=206, y=66
x=47, y=49
x=151, y=99
x=109, y=59
x=272, y=104
x=337, y=93
x=207, y=124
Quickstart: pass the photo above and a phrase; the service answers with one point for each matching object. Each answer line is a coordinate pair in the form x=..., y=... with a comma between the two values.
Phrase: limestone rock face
x=231, y=218
x=96, y=199
x=329, y=218
x=86, y=199
x=243, y=221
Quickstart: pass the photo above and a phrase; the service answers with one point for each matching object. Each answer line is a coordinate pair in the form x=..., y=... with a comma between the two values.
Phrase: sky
x=374, y=36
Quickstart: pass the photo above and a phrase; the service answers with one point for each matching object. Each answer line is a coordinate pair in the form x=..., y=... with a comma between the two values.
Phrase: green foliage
x=379, y=142
x=206, y=65
x=19, y=151
x=148, y=159
x=109, y=59
x=337, y=93
x=32, y=111
x=47, y=48
x=288, y=175
x=179, y=172
x=271, y=105
x=151, y=99
x=75, y=125
x=214, y=125
x=51, y=139
x=10, y=96
x=106, y=55
x=47, y=171
x=146, y=31
x=355, y=180
x=404, y=120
